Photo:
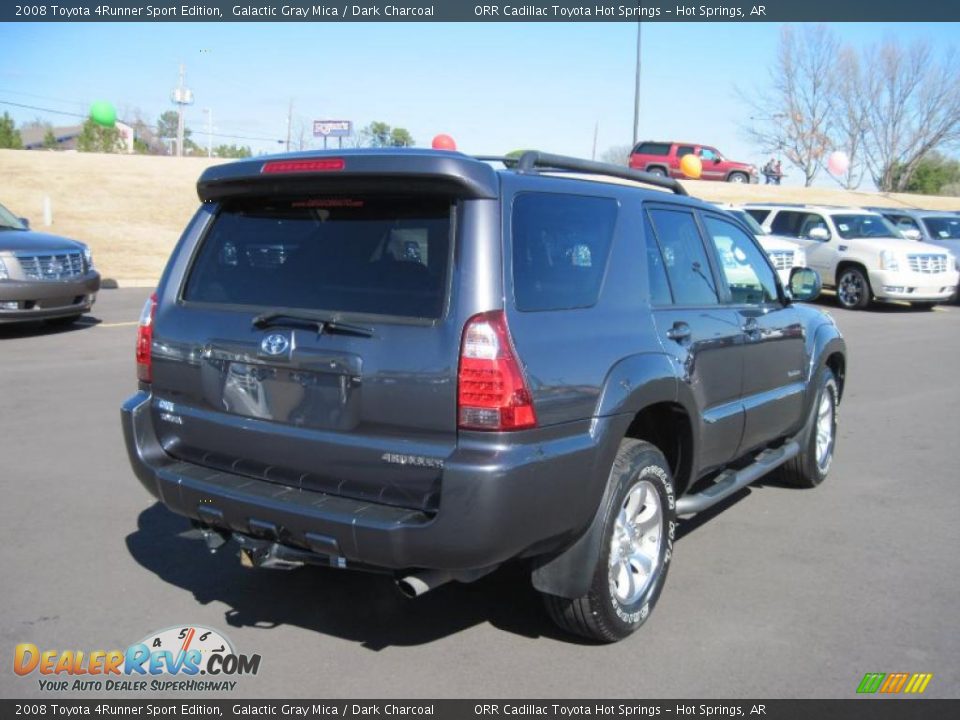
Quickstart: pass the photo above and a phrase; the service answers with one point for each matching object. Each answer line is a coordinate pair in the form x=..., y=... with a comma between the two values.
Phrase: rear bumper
x=498, y=502
x=45, y=299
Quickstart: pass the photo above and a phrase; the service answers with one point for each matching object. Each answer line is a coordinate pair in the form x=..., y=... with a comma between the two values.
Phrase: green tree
x=379, y=134
x=50, y=140
x=401, y=137
x=97, y=138
x=9, y=135
x=930, y=175
x=232, y=151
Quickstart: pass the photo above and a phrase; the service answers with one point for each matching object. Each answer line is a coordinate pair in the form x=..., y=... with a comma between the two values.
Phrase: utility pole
x=289, y=123
x=209, y=113
x=596, y=131
x=181, y=96
x=636, y=90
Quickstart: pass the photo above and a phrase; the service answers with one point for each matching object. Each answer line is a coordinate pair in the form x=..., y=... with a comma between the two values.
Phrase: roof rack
x=507, y=161
x=533, y=159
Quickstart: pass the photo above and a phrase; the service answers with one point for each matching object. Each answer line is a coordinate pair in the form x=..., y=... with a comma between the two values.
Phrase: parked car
x=860, y=254
x=663, y=159
x=42, y=276
x=416, y=363
x=785, y=254
x=930, y=226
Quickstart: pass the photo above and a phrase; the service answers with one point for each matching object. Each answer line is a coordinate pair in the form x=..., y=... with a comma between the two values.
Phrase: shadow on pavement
x=39, y=328
x=355, y=606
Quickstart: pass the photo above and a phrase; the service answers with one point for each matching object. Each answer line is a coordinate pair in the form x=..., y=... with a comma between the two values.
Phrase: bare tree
x=911, y=105
x=850, y=115
x=794, y=114
x=617, y=154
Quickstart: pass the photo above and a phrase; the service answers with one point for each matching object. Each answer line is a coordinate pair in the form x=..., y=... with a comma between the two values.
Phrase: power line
x=136, y=123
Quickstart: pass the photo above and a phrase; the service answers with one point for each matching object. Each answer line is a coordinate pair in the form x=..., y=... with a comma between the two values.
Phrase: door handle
x=679, y=332
x=750, y=328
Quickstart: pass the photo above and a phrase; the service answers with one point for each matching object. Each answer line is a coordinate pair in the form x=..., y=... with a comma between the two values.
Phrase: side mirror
x=911, y=233
x=805, y=284
x=717, y=159
x=25, y=221
x=819, y=233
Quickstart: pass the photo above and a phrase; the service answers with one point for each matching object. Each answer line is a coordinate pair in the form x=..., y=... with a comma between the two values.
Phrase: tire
x=819, y=442
x=658, y=171
x=738, y=177
x=923, y=305
x=621, y=595
x=64, y=321
x=853, y=289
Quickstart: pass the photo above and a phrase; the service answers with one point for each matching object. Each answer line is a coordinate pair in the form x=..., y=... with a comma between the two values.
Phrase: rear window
x=382, y=256
x=560, y=248
x=652, y=148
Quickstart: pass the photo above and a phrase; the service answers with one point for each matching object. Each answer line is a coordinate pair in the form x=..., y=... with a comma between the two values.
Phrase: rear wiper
x=320, y=324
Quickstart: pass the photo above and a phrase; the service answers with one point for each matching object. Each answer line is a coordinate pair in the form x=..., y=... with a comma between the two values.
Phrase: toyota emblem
x=275, y=344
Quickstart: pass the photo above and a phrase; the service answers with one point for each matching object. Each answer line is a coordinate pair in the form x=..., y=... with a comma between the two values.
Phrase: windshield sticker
x=844, y=227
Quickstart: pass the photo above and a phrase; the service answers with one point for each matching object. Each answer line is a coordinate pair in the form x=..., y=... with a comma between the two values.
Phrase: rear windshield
x=382, y=256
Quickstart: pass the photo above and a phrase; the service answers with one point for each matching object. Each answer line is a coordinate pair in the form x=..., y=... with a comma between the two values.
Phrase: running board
x=730, y=481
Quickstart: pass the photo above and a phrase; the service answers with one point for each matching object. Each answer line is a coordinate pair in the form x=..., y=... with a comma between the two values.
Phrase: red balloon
x=444, y=142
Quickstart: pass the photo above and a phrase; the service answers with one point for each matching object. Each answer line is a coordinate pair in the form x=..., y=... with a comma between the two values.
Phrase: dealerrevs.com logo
x=173, y=659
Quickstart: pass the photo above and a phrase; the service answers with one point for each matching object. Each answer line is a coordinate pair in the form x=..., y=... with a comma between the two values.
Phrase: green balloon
x=103, y=113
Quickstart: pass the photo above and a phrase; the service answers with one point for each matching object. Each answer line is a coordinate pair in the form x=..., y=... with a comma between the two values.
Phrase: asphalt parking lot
x=780, y=593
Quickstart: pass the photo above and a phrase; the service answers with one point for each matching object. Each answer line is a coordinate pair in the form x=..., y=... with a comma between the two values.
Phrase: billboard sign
x=332, y=128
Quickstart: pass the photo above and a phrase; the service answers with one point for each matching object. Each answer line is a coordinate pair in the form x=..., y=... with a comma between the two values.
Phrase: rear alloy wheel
x=738, y=177
x=635, y=553
x=658, y=171
x=853, y=289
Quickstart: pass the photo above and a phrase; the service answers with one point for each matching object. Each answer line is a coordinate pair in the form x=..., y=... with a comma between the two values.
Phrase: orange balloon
x=691, y=166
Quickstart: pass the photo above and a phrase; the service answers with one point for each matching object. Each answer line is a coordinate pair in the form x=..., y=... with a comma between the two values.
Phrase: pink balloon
x=838, y=162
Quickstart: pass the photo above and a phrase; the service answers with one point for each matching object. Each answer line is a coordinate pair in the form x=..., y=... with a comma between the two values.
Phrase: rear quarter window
x=379, y=256
x=652, y=148
x=561, y=245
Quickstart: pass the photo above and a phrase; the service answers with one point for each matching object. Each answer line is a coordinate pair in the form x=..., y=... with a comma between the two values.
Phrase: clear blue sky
x=495, y=87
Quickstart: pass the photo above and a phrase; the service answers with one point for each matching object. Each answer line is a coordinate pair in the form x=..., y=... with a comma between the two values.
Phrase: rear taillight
x=303, y=166
x=145, y=340
x=492, y=393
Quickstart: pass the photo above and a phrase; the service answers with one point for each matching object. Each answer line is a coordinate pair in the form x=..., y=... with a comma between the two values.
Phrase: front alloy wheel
x=853, y=290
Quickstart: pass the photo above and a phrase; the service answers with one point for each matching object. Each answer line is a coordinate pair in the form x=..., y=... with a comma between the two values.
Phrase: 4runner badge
x=275, y=344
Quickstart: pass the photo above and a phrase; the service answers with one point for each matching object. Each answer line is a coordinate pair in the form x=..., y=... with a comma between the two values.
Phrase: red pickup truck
x=663, y=158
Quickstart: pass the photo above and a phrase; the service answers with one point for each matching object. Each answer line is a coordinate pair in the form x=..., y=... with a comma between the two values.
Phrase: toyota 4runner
x=416, y=363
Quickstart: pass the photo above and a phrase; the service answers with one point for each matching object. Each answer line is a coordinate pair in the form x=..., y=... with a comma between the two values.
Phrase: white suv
x=861, y=255
x=785, y=254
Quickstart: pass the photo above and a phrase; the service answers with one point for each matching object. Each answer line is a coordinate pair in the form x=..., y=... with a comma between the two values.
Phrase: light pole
x=209, y=113
x=636, y=89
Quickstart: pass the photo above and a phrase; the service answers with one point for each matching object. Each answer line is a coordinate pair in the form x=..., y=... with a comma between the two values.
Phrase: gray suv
x=424, y=363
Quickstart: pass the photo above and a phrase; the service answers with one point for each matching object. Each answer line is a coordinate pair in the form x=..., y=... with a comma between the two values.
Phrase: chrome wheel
x=635, y=545
x=738, y=178
x=851, y=289
x=825, y=429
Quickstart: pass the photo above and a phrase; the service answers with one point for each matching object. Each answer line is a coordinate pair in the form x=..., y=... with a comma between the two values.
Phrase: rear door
x=702, y=335
x=308, y=345
x=773, y=335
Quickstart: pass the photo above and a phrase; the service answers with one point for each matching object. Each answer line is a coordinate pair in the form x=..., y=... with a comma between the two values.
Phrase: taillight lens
x=145, y=340
x=492, y=393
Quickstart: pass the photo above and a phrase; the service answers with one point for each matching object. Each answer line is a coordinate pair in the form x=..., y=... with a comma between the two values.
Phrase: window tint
x=653, y=148
x=757, y=214
x=684, y=257
x=787, y=222
x=560, y=248
x=864, y=226
x=944, y=228
x=685, y=150
x=656, y=268
x=349, y=254
x=749, y=276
